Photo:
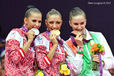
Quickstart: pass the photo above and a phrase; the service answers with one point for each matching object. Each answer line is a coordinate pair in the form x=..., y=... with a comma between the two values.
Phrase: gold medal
x=56, y=32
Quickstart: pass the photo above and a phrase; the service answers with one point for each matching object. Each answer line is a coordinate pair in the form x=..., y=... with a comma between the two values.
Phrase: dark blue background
x=99, y=17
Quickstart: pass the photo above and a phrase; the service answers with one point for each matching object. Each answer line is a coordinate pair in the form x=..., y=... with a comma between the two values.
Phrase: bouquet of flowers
x=39, y=73
x=64, y=70
x=97, y=49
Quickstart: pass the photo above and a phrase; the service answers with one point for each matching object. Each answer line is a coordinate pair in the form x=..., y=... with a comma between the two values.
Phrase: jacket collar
x=87, y=35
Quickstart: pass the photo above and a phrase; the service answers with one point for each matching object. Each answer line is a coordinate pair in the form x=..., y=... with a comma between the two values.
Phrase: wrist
x=29, y=41
x=55, y=45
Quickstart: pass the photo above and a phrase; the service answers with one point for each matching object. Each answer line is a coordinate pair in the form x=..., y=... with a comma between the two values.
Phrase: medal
x=36, y=31
x=56, y=32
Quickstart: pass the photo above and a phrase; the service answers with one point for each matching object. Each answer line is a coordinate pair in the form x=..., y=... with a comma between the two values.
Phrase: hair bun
x=30, y=6
x=53, y=9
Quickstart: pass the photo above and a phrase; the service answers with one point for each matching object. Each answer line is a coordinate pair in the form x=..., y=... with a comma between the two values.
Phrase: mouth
x=78, y=29
x=53, y=29
x=77, y=32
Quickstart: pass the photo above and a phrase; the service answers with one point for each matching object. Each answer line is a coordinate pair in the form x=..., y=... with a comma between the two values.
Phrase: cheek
x=31, y=26
x=59, y=27
x=74, y=27
x=49, y=26
x=83, y=26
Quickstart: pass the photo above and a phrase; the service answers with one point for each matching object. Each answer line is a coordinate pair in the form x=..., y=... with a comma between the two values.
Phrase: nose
x=79, y=27
x=54, y=26
x=36, y=25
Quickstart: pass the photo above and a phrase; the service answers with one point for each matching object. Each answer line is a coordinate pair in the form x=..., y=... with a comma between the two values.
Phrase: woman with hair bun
x=19, y=53
x=89, y=53
x=48, y=45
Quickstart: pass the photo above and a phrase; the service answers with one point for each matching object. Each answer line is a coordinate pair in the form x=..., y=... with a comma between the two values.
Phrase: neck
x=25, y=25
x=24, y=28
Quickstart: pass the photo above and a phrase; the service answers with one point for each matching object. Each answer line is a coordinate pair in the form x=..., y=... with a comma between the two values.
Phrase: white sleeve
x=108, y=56
x=67, y=49
x=74, y=60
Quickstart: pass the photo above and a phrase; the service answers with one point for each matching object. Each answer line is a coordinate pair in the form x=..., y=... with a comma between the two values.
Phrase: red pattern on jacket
x=51, y=67
x=17, y=63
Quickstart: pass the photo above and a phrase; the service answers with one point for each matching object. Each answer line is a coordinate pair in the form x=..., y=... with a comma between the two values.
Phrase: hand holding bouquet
x=97, y=50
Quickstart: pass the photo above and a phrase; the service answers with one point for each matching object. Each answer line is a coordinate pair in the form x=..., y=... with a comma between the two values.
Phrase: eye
x=75, y=23
x=34, y=20
x=51, y=22
x=58, y=22
x=82, y=23
x=39, y=21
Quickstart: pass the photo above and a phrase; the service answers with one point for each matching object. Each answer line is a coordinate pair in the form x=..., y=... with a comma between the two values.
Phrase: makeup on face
x=78, y=23
x=54, y=22
x=34, y=20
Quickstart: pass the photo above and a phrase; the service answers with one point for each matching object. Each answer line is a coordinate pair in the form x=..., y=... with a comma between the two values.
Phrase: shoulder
x=96, y=33
x=13, y=34
x=15, y=31
x=68, y=41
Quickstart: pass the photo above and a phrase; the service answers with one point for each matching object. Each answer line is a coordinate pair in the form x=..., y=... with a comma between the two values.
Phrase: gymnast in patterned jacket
x=49, y=50
x=19, y=54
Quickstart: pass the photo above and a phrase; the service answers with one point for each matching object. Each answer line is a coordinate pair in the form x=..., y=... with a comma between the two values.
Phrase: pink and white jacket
x=17, y=62
x=42, y=48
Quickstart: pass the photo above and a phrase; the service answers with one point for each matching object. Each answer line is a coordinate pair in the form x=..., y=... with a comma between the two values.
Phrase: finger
x=93, y=55
x=80, y=39
x=79, y=36
x=34, y=34
x=31, y=31
x=50, y=35
x=53, y=36
x=96, y=59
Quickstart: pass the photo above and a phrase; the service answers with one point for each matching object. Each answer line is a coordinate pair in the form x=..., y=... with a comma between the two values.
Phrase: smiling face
x=78, y=23
x=33, y=21
x=53, y=22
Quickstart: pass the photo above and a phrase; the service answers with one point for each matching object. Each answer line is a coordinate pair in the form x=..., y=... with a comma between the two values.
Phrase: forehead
x=54, y=17
x=79, y=18
x=35, y=15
